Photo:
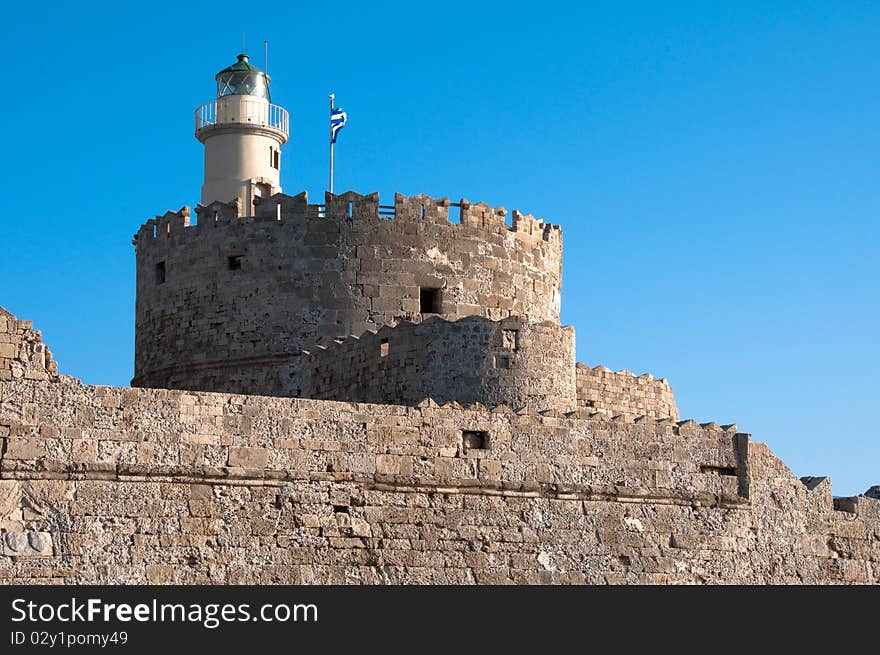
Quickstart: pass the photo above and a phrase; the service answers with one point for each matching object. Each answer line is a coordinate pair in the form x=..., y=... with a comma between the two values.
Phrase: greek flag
x=337, y=120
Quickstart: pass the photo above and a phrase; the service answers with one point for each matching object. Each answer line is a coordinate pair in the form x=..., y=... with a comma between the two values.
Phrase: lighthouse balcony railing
x=253, y=112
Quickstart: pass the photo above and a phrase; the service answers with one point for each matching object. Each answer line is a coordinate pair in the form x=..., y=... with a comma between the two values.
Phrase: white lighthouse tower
x=242, y=132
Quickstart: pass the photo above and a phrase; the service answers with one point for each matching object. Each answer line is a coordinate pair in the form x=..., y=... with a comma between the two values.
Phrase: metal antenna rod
x=242, y=41
x=266, y=56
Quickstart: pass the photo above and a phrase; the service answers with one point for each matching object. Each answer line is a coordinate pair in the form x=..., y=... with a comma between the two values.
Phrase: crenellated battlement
x=471, y=360
x=624, y=391
x=418, y=209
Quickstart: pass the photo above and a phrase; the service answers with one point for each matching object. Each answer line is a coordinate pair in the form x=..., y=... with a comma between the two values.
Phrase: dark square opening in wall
x=234, y=262
x=160, y=273
x=475, y=439
x=429, y=300
x=502, y=361
x=718, y=470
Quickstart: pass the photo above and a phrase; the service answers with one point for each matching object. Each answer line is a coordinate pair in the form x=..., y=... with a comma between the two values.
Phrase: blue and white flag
x=337, y=121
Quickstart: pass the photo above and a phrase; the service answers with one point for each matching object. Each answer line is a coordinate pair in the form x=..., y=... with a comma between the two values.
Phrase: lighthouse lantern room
x=242, y=132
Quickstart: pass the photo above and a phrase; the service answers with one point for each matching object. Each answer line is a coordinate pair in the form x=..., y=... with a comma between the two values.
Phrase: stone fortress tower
x=357, y=392
x=352, y=299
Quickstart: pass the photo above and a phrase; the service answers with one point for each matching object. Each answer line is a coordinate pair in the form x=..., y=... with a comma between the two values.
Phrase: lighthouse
x=242, y=133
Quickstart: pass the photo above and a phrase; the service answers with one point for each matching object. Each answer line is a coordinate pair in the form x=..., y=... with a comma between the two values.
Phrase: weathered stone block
x=248, y=457
x=159, y=574
x=10, y=497
x=27, y=544
x=25, y=448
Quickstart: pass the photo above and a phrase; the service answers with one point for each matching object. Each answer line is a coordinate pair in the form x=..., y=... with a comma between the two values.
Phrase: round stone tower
x=234, y=301
x=242, y=132
x=230, y=303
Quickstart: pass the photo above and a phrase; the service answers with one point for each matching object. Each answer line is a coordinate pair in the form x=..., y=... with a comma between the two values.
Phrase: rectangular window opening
x=262, y=190
x=234, y=262
x=160, y=273
x=502, y=361
x=718, y=470
x=475, y=439
x=429, y=301
x=384, y=348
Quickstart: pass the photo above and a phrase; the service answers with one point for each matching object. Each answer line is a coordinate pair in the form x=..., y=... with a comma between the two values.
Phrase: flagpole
x=331, y=141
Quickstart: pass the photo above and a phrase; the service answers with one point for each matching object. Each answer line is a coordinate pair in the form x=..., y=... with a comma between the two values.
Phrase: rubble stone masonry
x=22, y=352
x=472, y=360
x=111, y=485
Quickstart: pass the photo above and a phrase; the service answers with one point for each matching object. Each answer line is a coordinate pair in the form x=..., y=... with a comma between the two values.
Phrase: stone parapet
x=109, y=485
x=471, y=360
x=622, y=392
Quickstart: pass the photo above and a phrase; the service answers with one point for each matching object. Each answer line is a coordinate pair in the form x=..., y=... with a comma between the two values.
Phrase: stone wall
x=22, y=352
x=600, y=389
x=472, y=360
x=113, y=485
x=227, y=305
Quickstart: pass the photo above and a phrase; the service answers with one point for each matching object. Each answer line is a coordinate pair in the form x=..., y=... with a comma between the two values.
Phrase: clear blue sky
x=714, y=169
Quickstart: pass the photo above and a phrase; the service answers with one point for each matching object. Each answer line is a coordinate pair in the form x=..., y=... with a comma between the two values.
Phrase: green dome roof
x=241, y=65
x=242, y=78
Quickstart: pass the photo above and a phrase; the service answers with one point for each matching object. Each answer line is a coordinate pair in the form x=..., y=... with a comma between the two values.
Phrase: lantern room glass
x=251, y=83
